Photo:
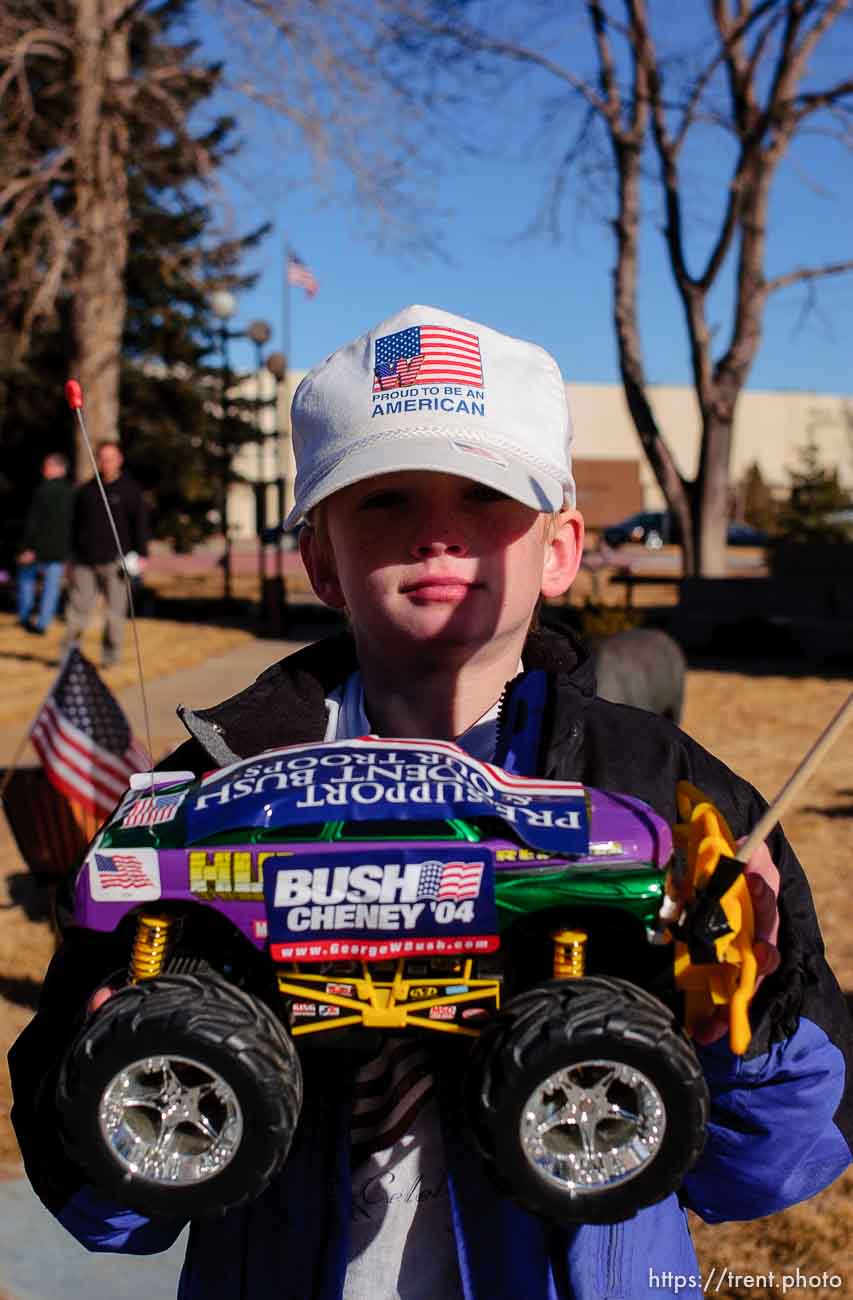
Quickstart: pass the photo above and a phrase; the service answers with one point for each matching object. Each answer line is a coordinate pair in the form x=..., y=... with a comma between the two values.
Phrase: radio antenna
x=74, y=397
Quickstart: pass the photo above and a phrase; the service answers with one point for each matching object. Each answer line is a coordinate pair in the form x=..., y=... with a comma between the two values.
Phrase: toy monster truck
x=319, y=894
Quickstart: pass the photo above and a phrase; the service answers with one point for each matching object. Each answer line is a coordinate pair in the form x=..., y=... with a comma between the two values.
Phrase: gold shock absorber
x=569, y=953
x=149, y=945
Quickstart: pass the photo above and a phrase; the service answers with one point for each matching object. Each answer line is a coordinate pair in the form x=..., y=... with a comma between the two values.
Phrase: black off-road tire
x=211, y=1029
x=562, y=1024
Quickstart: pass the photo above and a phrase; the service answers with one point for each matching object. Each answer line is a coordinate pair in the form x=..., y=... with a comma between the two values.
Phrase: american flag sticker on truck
x=124, y=875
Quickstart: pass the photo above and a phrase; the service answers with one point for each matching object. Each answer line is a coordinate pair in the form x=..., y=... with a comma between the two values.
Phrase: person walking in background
x=95, y=565
x=45, y=543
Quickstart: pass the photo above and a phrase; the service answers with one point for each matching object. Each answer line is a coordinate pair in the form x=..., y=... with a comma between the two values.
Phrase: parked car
x=740, y=534
x=652, y=528
x=842, y=519
x=656, y=528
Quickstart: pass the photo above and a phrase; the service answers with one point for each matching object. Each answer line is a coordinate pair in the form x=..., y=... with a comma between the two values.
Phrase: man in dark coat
x=45, y=543
x=95, y=564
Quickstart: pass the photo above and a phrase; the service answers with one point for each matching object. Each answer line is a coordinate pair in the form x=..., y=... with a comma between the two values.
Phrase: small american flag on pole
x=84, y=740
x=427, y=354
x=456, y=880
x=301, y=275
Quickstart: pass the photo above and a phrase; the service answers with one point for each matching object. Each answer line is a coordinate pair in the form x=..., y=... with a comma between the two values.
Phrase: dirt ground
x=761, y=725
x=29, y=662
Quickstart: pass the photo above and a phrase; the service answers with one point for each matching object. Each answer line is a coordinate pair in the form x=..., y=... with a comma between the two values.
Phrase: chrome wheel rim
x=170, y=1120
x=592, y=1125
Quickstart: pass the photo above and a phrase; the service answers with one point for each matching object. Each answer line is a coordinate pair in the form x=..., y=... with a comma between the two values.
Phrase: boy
x=434, y=470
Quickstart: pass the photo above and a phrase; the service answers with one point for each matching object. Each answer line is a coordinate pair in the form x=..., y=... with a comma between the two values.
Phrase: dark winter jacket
x=781, y=1116
x=47, y=530
x=92, y=540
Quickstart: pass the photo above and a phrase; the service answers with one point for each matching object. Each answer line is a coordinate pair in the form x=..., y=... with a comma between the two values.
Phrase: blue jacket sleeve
x=773, y=1138
x=102, y=1225
x=781, y=1125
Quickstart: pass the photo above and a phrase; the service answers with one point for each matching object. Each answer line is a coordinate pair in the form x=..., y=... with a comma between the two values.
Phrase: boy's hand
x=762, y=880
x=99, y=997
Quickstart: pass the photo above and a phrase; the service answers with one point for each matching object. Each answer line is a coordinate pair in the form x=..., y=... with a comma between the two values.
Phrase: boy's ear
x=320, y=568
x=563, y=553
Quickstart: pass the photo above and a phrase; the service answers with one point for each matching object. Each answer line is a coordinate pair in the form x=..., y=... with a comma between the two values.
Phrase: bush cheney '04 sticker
x=124, y=875
x=392, y=902
x=380, y=779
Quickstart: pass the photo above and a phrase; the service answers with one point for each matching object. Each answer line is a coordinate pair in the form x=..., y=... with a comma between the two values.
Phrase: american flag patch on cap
x=427, y=354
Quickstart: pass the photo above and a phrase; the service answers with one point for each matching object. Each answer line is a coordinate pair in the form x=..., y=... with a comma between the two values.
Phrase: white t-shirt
x=401, y=1243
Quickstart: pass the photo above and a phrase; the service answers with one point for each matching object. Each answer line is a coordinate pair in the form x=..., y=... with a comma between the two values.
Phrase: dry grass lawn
x=761, y=726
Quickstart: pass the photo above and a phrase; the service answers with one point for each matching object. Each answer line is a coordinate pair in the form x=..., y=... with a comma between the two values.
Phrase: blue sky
x=555, y=293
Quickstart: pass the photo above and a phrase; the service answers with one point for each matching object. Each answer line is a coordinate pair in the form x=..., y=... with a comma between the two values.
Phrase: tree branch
x=477, y=42
x=736, y=64
x=737, y=31
x=809, y=103
x=34, y=181
x=806, y=273
x=610, y=104
x=792, y=60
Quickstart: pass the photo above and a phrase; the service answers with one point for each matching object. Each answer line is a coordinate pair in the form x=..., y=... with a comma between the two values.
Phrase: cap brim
x=441, y=455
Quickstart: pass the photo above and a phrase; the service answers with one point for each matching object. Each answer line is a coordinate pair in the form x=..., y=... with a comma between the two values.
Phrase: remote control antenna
x=74, y=398
x=797, y=779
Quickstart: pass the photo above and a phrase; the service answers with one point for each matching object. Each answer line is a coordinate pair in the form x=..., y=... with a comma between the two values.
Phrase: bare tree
x=69, y=101
x=70, y=94
x=751, y=79
x=36, y=66
x=322, y=78
x=367, y=86
x=101, y=210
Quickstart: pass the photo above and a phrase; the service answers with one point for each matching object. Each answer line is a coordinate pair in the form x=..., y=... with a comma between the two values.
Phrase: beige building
x=770, y=428
x=613, y=476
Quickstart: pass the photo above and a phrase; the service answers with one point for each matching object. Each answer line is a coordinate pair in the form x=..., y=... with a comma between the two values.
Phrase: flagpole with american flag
x=87, y=753
x=80, y=733
x=25, y=739
x=84, y=740
x=297, y=273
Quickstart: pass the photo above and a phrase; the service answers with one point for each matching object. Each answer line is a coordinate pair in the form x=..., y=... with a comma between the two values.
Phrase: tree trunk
x=101, y=218
x=711, y=505
x=625, y=316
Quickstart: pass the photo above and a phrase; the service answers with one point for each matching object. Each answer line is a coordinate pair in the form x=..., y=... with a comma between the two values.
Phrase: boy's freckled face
x=430, y=557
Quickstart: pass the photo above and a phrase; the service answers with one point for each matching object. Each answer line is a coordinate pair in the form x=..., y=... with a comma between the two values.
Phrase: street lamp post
x=277, y=366
x=259, y=332
x=223, y=305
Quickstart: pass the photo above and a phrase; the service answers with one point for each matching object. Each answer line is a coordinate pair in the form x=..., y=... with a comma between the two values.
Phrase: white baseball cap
x=432, y=391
